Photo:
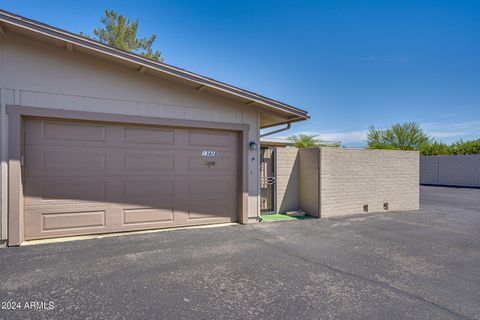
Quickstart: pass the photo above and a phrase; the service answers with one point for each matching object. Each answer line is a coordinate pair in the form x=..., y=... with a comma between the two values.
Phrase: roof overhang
x=273, y=112
x=272, y=142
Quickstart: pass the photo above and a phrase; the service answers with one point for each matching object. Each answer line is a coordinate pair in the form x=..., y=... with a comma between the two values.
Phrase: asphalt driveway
x=422, y=265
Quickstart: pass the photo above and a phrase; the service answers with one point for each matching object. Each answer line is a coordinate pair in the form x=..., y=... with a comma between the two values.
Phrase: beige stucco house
x=98, y=140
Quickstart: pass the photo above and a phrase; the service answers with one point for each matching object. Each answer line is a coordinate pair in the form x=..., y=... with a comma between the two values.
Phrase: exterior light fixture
x=253, y=145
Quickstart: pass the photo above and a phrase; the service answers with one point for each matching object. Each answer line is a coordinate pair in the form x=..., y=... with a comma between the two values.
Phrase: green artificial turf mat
x=281, y=217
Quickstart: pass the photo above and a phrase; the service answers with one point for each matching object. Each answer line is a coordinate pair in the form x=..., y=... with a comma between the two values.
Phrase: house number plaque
x=207, y=153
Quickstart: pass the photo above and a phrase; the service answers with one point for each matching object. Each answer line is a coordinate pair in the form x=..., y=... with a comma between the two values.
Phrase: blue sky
x=351, y=64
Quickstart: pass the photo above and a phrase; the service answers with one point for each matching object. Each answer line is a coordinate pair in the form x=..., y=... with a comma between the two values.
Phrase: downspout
x=3, y=141
x=289, y=125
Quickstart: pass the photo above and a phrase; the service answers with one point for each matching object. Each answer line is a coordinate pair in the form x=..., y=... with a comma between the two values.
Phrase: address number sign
x=207, y=153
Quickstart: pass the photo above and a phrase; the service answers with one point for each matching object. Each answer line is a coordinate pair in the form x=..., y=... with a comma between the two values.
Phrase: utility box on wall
x=337, y=181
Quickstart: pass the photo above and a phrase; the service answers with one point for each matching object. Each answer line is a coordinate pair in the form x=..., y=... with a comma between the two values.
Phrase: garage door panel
x=52, y=224
x=218, y=164
x=150, y=136
x=89, y=161
x=211, y=138
x=70, y=207
x=49, y=161
x=211, y=189
x=148, y=190
x=53, y=132
x=73, y=220
x=143, y=161
x=79, y=190
x=208, y=210
x=41, y=191
x=99, y=178
x=73, y=131
x=147, y=215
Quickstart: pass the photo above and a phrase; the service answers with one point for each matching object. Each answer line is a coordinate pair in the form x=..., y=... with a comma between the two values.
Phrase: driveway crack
x=382, y=284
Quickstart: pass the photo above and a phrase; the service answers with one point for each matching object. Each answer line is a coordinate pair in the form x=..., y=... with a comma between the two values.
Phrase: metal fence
x=462, y=170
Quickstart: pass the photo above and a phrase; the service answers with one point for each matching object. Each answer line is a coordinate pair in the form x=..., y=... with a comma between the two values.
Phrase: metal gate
x=267, y=180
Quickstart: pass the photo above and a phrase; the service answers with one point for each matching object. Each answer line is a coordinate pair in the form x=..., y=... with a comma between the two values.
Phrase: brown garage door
x=86, y=178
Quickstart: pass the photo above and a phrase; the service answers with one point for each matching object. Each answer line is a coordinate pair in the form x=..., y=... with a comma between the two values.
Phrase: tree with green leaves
x=121, y=32
x=310, y=141
x=406, y=136
x=304, y=140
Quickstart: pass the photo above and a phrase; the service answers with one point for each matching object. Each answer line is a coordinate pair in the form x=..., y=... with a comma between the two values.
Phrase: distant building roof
x=275, y=142
x=284, y=142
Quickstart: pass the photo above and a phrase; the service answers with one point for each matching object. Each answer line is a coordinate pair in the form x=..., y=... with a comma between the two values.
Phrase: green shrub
x=409, y=136
x=457, y=148
x=310, y=140
x=466, y=147
x=435, y=149
x=400, y=136
x=304, y=140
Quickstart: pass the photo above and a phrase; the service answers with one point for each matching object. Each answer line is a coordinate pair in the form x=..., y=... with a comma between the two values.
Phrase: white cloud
x=354, y=136
x=438, y=130
x=344, y=136
x=448, y=130
x=445, y=134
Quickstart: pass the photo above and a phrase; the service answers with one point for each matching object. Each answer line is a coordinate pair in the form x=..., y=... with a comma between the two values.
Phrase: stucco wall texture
x=338, y=181
x=461, y=170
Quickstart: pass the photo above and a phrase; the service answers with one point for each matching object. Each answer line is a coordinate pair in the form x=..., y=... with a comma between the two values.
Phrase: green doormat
x=281, y=217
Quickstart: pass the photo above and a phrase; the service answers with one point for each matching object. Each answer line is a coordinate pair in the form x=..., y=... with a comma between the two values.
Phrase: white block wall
x=309, y=199
x=352, y=178
x=337, y=181
x=287, y=179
